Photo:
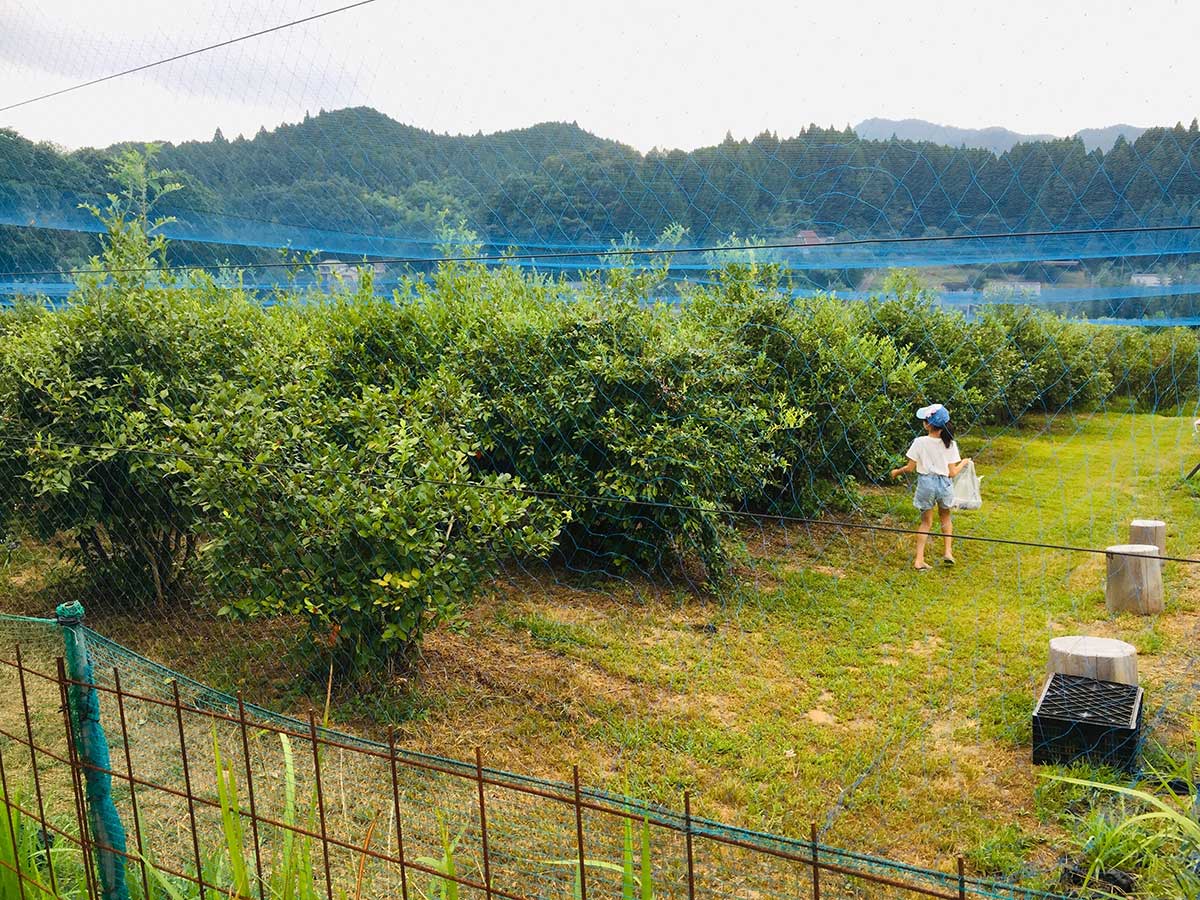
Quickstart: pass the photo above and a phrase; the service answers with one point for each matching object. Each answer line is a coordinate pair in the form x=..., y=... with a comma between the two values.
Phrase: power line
x=647, y=251
x=151, y=65
x=564, y=496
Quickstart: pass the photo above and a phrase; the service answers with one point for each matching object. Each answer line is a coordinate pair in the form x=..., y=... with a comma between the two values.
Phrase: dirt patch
x=508, y=667
x=926, y=647
x=956, y=735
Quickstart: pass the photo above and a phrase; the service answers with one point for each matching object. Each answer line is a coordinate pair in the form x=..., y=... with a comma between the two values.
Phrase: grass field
x=837, y=686
x=891, y=707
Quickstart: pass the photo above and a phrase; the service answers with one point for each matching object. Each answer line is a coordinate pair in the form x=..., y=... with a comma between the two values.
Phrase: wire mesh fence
x=218, y=796
x=535, y=438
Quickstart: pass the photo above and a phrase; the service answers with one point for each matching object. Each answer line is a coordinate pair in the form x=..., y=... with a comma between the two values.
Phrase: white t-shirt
x=932, y=456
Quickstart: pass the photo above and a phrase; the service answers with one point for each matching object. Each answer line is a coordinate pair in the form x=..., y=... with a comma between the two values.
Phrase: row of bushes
x=367, y=463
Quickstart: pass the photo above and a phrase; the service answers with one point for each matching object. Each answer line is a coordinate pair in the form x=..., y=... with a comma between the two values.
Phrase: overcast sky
x=668, y=74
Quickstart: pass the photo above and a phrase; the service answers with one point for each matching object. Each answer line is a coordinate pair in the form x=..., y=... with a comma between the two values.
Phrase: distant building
x=1024, y=288
x=808, y=236
x=347, y=271
x=1149, y=279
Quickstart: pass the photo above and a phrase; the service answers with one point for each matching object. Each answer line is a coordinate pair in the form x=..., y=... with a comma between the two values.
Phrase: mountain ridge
x=346, y=180
x=994, y=138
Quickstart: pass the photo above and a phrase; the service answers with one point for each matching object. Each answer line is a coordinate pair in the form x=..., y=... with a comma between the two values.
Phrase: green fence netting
x=429, y=787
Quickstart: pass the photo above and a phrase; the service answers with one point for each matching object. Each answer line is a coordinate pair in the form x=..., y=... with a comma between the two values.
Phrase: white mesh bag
x=966, y=488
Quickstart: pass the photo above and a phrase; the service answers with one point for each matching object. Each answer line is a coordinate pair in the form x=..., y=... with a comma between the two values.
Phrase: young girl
x=935, y=457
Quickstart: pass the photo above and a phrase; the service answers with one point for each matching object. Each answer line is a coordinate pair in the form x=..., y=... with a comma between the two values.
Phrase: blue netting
x=636, y=395
x=354, y=183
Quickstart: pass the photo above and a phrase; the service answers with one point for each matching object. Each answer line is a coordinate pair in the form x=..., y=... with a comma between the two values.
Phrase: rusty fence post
x=483, y=834
x=37, y=780
x=250, y=791
x=187, y=785
x=687, y=819
x=133, y=801
x=579, y=835
x=316, y=747
x=816, y=868
x=396, y=805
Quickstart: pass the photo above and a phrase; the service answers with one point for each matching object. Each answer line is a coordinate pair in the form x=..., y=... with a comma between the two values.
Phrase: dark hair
x=946, y=435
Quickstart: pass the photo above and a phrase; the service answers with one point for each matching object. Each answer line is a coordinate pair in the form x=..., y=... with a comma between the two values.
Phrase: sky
x=648, y=73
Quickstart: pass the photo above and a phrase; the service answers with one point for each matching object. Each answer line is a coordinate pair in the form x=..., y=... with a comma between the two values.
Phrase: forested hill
x=358, y=171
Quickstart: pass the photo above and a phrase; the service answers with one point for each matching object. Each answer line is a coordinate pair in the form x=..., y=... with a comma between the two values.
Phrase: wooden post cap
x=1150, y=531
x=1132, y=550
x=1104, y=659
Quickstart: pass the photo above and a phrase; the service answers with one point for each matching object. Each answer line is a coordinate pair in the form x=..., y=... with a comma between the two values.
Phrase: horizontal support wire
x=567, y=496
x=628, y=252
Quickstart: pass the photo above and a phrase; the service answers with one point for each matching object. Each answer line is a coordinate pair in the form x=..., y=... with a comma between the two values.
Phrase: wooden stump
x=1134, y=583
x=1150, y=531
x=1092, y=657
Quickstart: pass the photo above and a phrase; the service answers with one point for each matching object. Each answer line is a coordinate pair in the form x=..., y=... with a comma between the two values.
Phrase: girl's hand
x=896, y=473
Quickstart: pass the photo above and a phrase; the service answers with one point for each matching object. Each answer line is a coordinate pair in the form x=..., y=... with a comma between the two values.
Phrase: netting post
x=81, y=819
x=816, y=869
x=91, y=748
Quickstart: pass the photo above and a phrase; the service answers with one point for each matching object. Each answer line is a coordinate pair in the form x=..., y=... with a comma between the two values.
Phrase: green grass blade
x=231, y=821
x=1187, y=827
x=451, y=886
x=287, y=861
x=161, y=880
x=647, y=874
x=590, y=863
x=628, y=889
x=9, y=886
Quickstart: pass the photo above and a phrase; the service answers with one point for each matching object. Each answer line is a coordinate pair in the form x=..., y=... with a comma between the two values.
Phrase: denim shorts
x=933, y=490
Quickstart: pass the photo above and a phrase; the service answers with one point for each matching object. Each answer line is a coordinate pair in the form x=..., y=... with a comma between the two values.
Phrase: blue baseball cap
x=935, y=414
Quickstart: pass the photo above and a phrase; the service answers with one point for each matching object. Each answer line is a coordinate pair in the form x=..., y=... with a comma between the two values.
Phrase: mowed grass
x=834, y=686
x=892, y=708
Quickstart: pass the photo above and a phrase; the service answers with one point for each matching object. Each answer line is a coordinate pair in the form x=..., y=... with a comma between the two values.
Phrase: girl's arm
x=911, y=466
x=955, y=468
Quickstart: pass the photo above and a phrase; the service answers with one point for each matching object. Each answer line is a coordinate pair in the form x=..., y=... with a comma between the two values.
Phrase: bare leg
x=922, y=537
x=947, y=532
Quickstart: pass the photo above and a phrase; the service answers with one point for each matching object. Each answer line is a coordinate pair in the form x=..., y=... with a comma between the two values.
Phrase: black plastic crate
x=1082, y=718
